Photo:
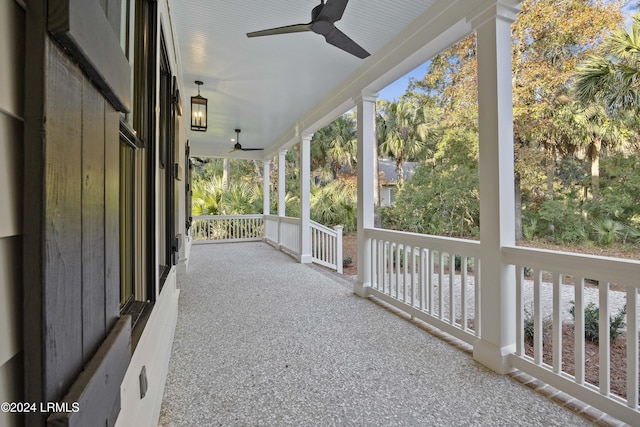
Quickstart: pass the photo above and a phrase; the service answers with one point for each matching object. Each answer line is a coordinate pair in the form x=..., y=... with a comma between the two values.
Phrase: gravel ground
x=264, y=341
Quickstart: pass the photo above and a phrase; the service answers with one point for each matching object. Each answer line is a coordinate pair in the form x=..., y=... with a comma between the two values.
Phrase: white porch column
x=497, y=202
x=266, y=188
x=366, y=139
x=282, y=164
x=305, y=209
x=281, y=192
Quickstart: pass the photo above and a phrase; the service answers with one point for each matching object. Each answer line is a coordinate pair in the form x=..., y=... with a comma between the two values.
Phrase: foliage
x=529, y=326
x=612, y=76
x=442, y=196
x=334, y=146
x=608, y=231
x=211, y=198
x=335, y=204
x=403, y=131
x=592, y=322
x=561, y=221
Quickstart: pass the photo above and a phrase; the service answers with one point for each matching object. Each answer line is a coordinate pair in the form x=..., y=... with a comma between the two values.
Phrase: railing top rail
x=623, y=271
x=323, y=228
x=251, y=216
x=447, y=244
x=290, y=220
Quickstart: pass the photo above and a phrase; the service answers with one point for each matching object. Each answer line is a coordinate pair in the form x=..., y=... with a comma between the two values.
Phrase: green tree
x=442, y=197
x=334, y=146
x=612, y=76
x=404, y=135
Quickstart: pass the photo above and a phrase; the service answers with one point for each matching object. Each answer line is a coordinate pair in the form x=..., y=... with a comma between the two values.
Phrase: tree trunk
x=518, y=203
x=550, y=160
x=225, y=173
x=258, y=169
x=399, y=172
x=595, y=168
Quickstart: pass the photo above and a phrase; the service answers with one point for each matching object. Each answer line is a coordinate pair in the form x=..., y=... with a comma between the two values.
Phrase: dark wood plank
x=63, y=225
x=97, y=388
x=82, y=27
x=112, y=215
x=93, y=213
x=33, y=196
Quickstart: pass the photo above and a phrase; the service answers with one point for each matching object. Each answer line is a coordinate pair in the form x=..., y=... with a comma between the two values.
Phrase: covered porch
x=277, y=342
x=471, y=290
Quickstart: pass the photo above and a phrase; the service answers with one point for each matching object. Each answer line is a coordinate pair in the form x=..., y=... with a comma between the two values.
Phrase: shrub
x=608, y=231
x=458, y=263
x=592, y=322
x=529, y=326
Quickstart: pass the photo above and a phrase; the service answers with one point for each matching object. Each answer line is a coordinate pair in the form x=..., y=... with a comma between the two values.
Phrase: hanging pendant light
x=198, y=111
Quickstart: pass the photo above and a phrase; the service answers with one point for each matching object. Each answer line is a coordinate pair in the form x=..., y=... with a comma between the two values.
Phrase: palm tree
x=334, y=146
x=598, y=131
x=404, y=138
x=613, y=78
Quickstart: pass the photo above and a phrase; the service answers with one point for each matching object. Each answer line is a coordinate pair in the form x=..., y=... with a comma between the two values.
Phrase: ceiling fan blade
x=252, y=149
x=341, y=40
x=333, y=10
x=297, y=28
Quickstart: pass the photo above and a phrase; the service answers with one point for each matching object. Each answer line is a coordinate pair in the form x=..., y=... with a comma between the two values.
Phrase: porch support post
x=497, y=202
x=281, y=192
x=366, y=105
x=266, y=187
x=305, y=190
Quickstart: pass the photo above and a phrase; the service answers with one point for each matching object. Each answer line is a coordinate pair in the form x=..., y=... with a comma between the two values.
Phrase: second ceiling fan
x=238, y=147
x=322, y=22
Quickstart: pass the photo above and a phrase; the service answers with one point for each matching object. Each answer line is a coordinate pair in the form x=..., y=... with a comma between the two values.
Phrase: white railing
x=435, y=279
x=227, y=228
x=557, y=281
x=290, y=235
x=326, y=246
x=272, y=229
x=282, y=232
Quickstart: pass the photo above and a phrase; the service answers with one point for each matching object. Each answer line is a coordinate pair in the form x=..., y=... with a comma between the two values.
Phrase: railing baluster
x=440, y=286
x=477, y=319
x=463, y=291
x=537, y=318
x=431, y=284
x=414, y=277
x=632, y=347
x=397, y=269
x=423, y=278
x=579, y=330
x=603, y=338
x=557, y=323
x=452, y=288
x=519, y=311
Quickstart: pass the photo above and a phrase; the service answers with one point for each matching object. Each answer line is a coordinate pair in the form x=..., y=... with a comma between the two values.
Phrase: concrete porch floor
x=264, y=341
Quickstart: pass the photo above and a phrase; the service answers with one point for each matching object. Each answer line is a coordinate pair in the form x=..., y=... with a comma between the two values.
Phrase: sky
x=399, y=87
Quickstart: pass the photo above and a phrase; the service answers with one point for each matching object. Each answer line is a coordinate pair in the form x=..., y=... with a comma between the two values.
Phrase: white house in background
x=94, y=180
x=388, y=178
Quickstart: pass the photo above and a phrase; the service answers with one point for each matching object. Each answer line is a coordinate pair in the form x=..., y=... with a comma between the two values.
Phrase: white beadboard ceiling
x=277, y=88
